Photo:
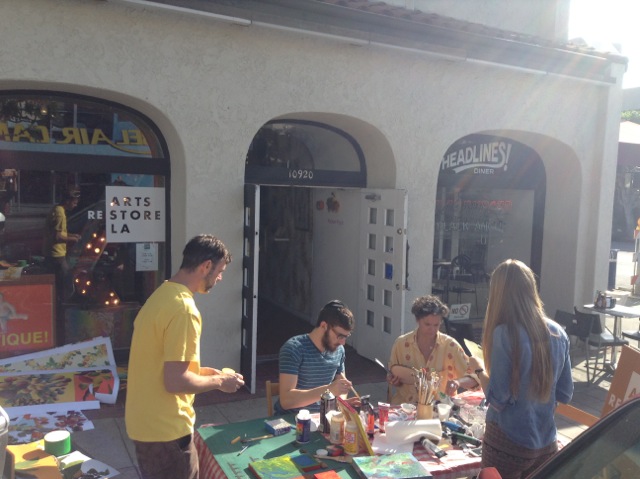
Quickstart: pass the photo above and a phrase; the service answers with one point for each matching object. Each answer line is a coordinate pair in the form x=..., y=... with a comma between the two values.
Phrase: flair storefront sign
x=72, y=140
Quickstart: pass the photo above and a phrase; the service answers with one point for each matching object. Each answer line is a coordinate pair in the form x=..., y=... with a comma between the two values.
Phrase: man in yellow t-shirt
x=54, y=249
x=164, y=365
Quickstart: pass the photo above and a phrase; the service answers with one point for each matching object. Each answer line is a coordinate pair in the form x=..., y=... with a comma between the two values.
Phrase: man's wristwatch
x=478, y=371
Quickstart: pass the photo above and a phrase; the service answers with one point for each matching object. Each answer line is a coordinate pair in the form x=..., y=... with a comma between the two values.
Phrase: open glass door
x=250, y=286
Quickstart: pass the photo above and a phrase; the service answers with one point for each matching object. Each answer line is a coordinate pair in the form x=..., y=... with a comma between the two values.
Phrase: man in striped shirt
x=314, y=362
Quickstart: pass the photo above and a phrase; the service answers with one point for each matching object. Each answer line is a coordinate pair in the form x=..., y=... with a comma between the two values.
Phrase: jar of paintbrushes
x=427, y=384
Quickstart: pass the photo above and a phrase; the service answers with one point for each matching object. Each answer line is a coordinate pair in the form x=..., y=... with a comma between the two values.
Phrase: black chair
x=460, y=330
x=463, y=278
x=568, y=321
x=634, y=335
x=588, y=328
x=440, y=282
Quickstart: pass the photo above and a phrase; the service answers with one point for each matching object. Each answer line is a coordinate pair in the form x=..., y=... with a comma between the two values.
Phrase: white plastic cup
x=443, y=411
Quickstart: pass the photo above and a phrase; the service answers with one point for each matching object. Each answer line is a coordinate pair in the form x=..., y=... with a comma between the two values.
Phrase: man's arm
x=178, y=379
x=291, y=398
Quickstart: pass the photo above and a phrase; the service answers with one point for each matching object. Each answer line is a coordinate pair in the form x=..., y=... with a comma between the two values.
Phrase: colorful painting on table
x=95, y=353
x=32, y=426
x=36, y=388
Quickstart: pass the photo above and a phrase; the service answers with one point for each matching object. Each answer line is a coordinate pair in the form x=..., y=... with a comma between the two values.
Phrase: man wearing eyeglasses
x=314, y=362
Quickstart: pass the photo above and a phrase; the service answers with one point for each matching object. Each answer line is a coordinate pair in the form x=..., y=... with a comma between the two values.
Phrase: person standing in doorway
x=526, y=371
x=164, y=365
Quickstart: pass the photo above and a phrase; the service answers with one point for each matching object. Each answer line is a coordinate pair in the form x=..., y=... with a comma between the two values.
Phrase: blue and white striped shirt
x=300, y=357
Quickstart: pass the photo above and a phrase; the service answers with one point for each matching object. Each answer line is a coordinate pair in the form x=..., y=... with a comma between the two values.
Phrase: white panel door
x=383, y=253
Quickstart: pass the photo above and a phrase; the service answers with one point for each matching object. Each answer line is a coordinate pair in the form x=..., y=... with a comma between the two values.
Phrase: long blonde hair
x=515, y=303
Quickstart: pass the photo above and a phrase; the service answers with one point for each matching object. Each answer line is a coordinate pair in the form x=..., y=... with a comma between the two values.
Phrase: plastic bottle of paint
x=336, y=435
x=303, y=426
x=351, y=438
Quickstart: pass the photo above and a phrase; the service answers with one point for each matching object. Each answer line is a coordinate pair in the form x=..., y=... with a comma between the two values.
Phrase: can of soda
x=303, y=426
x=327, y=403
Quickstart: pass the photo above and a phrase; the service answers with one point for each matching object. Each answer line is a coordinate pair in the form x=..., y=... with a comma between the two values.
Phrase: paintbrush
x=355, y=392
x=251, y=439
x=379, y=363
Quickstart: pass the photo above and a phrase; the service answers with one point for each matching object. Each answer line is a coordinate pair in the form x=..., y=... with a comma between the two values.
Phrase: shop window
x=489, y=207
x=51, y=144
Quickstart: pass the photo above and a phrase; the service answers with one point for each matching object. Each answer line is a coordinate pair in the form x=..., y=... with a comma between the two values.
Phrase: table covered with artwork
x=221, y=457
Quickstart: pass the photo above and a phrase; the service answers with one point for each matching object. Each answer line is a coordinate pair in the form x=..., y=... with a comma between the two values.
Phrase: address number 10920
x=301, y=174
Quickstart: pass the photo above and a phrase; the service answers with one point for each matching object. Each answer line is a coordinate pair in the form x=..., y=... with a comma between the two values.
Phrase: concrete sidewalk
x=109, y=443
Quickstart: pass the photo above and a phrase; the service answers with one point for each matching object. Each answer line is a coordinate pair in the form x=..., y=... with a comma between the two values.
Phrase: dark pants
x=64, y=286
x=168, y=460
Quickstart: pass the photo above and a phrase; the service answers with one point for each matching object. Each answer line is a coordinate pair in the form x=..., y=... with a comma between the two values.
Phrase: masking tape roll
x=57, y=443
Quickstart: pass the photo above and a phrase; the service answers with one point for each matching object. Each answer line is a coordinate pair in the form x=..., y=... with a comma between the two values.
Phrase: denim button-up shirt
x=527, y=423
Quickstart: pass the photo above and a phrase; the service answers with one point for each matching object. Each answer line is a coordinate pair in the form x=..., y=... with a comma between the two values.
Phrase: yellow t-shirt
x=56, y=223
x=167, y=328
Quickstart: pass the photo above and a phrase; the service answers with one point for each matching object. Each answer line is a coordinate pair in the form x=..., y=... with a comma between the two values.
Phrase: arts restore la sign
x=135, y=214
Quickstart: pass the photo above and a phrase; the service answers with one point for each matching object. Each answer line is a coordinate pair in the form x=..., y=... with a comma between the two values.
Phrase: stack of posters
x=49, y=389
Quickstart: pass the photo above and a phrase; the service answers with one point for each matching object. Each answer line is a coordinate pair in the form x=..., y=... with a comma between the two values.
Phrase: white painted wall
x=210, y=86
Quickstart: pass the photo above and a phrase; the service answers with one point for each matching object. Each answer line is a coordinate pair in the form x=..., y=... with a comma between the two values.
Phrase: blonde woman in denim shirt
x=526, y=371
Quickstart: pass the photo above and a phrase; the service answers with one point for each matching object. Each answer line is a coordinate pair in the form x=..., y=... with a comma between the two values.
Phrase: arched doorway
x=304, y=195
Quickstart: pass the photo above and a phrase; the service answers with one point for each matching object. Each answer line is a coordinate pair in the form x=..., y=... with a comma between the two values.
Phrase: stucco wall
x=210, y=86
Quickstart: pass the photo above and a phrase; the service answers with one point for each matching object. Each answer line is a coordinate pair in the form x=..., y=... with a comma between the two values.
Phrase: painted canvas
x=57, y=387
x=95, y=353
x=33, y=425
x=393, y=466
x=281, y=467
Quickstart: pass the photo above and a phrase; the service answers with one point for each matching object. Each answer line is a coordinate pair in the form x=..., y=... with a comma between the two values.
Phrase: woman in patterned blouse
x=427, y=347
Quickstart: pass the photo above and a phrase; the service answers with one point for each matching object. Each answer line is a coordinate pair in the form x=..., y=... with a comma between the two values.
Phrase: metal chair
x=588, y=328
x=459, y=331
x=568, y=321
x=463, y=277
x=272, y=389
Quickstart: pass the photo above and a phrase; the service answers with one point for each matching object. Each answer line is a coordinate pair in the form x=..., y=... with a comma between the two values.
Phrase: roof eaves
x=378, y=24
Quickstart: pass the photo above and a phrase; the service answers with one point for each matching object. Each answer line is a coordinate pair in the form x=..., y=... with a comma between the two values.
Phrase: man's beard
x=326, y=342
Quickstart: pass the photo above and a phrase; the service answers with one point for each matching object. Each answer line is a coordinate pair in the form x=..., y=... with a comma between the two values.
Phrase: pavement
x=108, y=441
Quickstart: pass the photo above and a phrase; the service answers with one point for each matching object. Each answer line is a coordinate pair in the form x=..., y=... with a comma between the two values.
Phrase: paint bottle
x=371, y=421
x=351, y=438
x=303, y=426
x=336, y=436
